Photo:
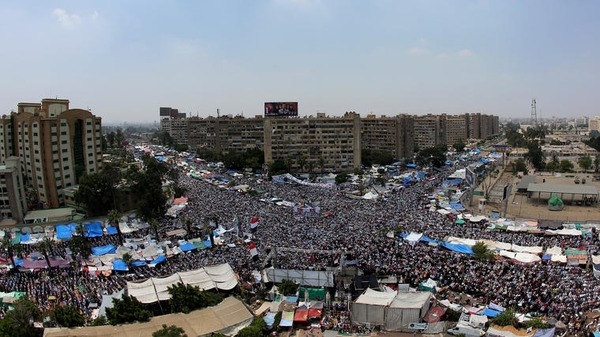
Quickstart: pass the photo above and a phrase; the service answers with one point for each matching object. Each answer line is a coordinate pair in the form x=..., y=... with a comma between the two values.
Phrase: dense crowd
x=357, y=229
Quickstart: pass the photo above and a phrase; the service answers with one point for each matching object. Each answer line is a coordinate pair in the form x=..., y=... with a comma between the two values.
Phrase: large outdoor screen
x=281, y=109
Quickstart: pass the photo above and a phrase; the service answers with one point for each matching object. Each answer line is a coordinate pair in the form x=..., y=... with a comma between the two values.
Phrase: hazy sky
x=124, y=59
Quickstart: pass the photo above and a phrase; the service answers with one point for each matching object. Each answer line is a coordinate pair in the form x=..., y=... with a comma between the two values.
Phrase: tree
x=597, y=163
x=566, y=166
x=147, y=186
x=585, y=162
x=520, y=166
x=435, y=156
x=459, y=145
x=100, y=320
x=482, y=252
x=18, y=322
x=67, y=316
x=80, y=246
x=97, y=191
x=287, y=287
x=186, y=298
x=6, y=245
x=45, y=246
x=169, y=331
x=113, y=218
x=506, y=318
x=535, y=155
x=341, y=178
x=155, y=225
x=127, y=310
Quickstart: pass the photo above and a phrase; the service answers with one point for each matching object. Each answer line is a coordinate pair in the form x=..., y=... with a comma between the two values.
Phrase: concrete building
x=331, y=141
x=13, y=201
x=391, y=134
x=175, y=124
x=323, y=143
x=594, y=123
x=56, y=145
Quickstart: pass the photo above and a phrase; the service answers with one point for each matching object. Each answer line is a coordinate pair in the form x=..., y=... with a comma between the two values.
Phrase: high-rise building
x=324, y=143
x=56, y=145
x=308, y=142
x=13, y=201
x=594, y=123
x=391, y=134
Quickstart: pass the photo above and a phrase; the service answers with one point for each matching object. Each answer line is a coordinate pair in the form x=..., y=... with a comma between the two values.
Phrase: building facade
x=13, y=201
x=327, y=143
x=56, y=145
x=311, y=143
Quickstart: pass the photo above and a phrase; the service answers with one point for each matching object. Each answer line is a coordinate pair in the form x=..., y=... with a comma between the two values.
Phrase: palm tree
x=208, y=230
x=188, y=226
x=155, y=225
x=45, y=246
x=7, y=245
x=113, y=218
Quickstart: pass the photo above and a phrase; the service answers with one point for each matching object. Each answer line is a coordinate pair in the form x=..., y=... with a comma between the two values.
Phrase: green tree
x=585, y=162
x=45, y=246
x=287, y=287
x=7, y=246
x=435, y=156
x=186, y=298
x=535, y=155
x=520, y=166
x=97, y=192
x=80, y=246
x=155, y=225
x=127, y=310
x=113, y=218
x=100, y=320
x=18, y=322
x=506, y=318
x=169, y=331
x=482, y=252
x=147, y=186
x=597, y=163
x=67, y=316
x=566, y=166
x=459, y=145
x=278, y=167
x=341, y=178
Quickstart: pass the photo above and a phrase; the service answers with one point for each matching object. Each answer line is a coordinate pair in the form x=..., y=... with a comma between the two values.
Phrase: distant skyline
x=125, y=59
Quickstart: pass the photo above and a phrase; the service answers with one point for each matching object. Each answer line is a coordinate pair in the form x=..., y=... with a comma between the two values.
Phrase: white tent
x=370, y=307
x=210, y=277
x=406, y=308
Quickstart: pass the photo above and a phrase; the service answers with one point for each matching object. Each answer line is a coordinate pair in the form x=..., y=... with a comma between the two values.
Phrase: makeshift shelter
x=227, y=317
x=210, y=277
x=406, y=308
x=370, y=307
x=555, y=203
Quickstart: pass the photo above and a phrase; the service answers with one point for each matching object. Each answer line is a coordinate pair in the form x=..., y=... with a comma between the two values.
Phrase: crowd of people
x=355, y=229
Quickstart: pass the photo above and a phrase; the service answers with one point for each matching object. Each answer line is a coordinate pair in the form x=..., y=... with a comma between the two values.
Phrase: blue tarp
x=65, y=232
x=186, y=247
x=25, y=237
x=411, y=165
x=111, y=230
x=18, y=262
x=138, y=263
x=457, y=206
x=101, y=250
x=490, y=312
x=159, y=259
x=92, y=229
x=426, y=239
x=207, y=243
x=452, y=182
x=448, y=163
x=120, y=265
x=457, y=247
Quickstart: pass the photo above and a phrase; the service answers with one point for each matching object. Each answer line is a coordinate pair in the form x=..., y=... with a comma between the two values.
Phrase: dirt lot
x=519, y=206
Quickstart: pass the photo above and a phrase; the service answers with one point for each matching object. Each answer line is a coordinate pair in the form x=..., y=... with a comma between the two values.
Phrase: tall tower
x=534, y=119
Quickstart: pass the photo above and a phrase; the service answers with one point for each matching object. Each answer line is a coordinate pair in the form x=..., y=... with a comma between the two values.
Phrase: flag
x=253, y=250
x=254, y=223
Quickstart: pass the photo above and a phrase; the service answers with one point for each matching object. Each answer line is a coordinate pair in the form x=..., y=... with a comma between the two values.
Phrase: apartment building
x=13, y=201
x=175, y=124
x=323, y=143
x=481, y=126
x=391, y=134
x=226, y=133
x=56, y=145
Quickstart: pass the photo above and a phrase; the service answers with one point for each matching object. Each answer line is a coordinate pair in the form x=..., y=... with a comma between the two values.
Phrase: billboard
x=281, y=109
